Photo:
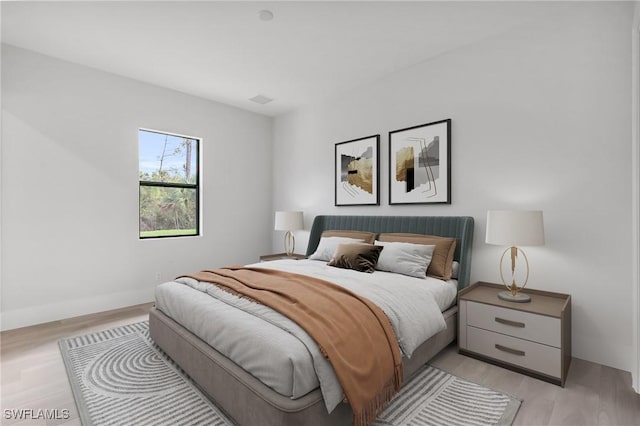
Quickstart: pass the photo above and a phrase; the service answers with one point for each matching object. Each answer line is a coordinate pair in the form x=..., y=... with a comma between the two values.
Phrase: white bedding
x=276, y=350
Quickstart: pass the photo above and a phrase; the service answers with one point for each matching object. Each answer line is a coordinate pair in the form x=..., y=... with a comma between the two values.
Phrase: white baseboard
x=24, y=317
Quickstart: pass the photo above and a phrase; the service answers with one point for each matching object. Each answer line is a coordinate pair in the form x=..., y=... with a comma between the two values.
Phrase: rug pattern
x=121, y=377
x=434, y=397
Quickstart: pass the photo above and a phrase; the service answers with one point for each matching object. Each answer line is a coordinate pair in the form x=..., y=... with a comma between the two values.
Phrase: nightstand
x=279, y=256
x=532, y=338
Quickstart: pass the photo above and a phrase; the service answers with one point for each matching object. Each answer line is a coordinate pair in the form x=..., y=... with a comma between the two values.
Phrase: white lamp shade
x=288, y=221
x=515, y=228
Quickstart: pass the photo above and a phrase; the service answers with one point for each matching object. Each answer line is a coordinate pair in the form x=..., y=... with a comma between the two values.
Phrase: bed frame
x=248, y=400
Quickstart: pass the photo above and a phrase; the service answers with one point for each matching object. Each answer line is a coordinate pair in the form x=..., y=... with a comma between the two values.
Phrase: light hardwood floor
x=34, y=377
x=33, y=373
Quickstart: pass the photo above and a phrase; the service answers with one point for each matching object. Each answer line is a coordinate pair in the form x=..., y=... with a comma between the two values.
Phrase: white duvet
x=270, y=347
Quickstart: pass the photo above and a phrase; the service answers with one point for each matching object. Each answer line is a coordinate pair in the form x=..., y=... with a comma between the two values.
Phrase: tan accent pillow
x=367, y=237
x=357, y=256
x=441, y=265
x=327, y=247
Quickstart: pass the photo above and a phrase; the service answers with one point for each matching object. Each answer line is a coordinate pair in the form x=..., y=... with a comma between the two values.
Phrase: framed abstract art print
x=357, y=172
x=420, y=164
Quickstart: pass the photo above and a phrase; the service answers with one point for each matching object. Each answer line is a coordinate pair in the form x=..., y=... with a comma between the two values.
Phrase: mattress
x=443, y=292
x=278, y=359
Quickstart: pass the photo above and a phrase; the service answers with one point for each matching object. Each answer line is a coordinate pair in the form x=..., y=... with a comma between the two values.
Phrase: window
x=169, y=185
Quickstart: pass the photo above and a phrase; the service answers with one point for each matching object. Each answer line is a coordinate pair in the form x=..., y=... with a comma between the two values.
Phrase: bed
x=248, y=399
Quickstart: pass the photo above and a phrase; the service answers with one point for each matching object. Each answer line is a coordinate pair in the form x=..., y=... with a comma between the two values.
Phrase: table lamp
x=289, y=221
x=514, y=228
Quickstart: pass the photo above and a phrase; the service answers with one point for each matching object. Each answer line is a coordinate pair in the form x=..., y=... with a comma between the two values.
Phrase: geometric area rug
x=121, y=377
x=435, y=397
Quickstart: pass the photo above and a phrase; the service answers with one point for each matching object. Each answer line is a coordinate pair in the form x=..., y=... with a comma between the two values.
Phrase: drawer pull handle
x=509, y=322
x=509, y=350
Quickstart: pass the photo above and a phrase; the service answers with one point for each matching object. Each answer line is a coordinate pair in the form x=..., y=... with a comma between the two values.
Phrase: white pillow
x=328, y=245
x=455, y=268
x=405, y=258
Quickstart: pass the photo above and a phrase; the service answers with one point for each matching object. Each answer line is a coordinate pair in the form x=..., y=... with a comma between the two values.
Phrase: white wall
x=541, y=120
x=70, y=188
x=635, y=208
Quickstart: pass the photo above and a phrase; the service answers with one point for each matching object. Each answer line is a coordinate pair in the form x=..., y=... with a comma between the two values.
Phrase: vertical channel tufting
x=460, y=227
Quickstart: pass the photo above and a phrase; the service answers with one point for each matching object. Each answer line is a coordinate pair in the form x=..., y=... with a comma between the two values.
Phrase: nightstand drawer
x=523, y=353
x=523, y=325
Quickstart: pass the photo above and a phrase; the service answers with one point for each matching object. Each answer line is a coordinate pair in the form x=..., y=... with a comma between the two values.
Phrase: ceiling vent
x=261, y=99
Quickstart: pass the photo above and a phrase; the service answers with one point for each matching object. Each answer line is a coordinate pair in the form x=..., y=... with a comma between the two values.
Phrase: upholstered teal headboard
x=460, y=227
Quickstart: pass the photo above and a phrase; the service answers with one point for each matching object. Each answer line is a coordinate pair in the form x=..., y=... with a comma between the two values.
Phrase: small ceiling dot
x=265, y=15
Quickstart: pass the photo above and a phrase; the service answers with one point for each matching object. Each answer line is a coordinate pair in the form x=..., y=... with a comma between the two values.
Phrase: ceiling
x=309, y=52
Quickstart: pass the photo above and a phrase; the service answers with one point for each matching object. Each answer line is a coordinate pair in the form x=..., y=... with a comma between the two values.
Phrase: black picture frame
x=357, y=172
x=420, y=178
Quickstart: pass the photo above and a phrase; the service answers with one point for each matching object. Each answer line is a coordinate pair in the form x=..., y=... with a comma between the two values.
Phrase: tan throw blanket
x=352, y=332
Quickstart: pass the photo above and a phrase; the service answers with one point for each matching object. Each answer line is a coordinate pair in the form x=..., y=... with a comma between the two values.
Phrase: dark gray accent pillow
x=357, y=256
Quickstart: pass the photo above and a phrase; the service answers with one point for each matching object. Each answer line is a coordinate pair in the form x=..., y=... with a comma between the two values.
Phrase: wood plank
x=579, y=401
x=538, y=399
x=619, y=404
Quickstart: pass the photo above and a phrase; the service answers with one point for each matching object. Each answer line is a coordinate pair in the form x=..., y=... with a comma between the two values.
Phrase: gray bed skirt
x=248, y=400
